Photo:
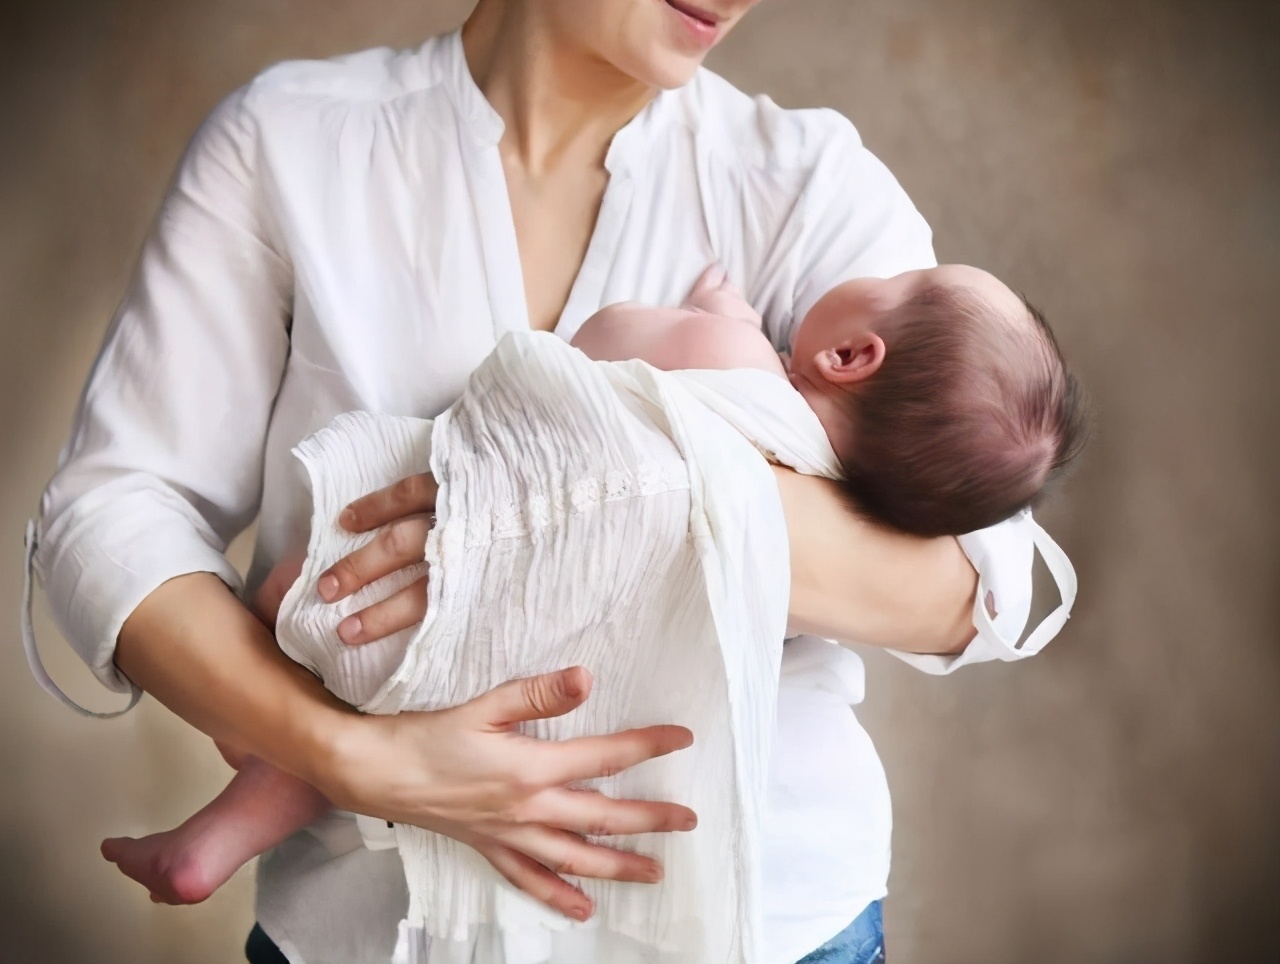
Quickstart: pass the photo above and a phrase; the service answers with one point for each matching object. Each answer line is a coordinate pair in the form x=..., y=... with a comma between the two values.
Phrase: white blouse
x=339, y=237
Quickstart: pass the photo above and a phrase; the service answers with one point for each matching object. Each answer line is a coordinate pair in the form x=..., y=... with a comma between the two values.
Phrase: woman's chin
x=667, y=69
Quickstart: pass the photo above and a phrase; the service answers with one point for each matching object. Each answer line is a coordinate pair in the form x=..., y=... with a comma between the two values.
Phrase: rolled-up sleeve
x=858, y=222
x=1002, y=555
x=164, y=463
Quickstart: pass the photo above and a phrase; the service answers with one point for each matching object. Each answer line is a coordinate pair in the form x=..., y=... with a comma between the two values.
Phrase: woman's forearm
x=467, y=772
x=196, y=648
x=857, y=582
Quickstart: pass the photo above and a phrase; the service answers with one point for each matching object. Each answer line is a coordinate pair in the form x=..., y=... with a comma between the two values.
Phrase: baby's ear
x=852, y=361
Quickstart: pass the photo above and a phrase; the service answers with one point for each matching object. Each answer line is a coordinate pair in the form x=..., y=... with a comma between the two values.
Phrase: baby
x=943, y=393
x=944, y=396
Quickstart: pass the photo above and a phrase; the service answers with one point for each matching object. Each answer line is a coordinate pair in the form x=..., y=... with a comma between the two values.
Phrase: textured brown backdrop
x=1113, y=801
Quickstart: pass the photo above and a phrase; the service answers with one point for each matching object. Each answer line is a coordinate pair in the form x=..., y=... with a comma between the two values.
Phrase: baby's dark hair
x=968, y=418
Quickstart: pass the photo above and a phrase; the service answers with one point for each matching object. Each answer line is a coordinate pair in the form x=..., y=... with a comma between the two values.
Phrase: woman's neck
x=559, y=102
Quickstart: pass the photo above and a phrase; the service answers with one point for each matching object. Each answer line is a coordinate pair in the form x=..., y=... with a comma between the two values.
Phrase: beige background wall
x=1113, y=801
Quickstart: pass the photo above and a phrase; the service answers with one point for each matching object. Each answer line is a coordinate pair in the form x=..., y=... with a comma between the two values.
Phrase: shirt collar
x=482, y=120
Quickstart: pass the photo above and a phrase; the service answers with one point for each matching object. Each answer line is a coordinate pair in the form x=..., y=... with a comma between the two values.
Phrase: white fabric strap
x=33, y=653
x=1064, y=576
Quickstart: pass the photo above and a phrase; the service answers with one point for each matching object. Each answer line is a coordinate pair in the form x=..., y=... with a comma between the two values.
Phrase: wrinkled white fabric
x=603, y=514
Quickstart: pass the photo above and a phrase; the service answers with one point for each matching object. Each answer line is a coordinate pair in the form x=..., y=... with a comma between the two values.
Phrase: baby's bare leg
x=258, y=810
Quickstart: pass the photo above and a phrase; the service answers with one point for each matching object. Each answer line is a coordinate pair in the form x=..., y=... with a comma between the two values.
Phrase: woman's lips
x=702, y=25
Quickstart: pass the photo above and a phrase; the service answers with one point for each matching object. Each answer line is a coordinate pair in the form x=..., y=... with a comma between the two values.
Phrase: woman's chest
x=553, y=214
x=413, y=253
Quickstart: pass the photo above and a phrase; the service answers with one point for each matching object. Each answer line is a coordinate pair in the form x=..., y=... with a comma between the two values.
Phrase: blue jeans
x=862, y=942
x=259, y=949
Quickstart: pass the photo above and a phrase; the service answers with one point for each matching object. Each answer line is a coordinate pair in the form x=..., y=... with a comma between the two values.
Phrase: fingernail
x=571, y=683
x=347, y=519
x=349, y=629
x=328, y=588
x=690, y=822
x=580, y=912
x=653, y=875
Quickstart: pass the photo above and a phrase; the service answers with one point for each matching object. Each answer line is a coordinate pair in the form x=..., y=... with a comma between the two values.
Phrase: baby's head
x=944, y=394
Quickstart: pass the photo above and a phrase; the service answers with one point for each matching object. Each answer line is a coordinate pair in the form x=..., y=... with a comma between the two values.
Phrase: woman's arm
x=850, y=580
x=466, y=772
x=194, y=646
x=854, y=220
x=165, y=466
x=857, y=582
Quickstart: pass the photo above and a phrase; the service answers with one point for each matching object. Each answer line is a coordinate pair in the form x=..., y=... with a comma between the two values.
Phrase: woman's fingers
x=588, y=757
x=411, y=495
x=505, y=793
x=537, y=881
x=533, y=858
x=593, y=814
x=400, y=544
x=398, y=611
x=568, y=854
x=402, y=509
x=533, y=698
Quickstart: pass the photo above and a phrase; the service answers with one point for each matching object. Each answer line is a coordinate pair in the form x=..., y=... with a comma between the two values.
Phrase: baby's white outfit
x=603, y=514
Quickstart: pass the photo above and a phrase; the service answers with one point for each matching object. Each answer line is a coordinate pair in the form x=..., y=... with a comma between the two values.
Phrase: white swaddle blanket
x=604, y=514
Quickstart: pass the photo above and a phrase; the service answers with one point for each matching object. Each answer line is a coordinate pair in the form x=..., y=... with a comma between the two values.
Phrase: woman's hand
x=466, y=772
x=489, y=786
x=469, y=773
x=404, y=508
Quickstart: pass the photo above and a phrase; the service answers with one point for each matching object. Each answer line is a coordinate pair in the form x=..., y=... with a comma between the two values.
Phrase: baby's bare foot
x=168, y=864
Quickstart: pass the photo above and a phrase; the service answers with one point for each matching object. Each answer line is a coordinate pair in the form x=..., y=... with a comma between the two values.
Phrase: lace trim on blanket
x=516, y=519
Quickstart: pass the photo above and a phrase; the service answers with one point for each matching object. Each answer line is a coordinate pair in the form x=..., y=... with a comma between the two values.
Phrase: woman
x=356, y=234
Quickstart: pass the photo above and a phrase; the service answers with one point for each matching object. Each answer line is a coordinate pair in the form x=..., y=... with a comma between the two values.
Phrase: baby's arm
x=715, y=328
x=715, y=294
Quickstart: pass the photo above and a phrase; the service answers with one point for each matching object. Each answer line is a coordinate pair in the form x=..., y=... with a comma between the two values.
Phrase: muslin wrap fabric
x=606, y=514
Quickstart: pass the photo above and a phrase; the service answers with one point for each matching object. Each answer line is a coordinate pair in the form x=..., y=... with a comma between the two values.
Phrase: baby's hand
x=716, y=295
